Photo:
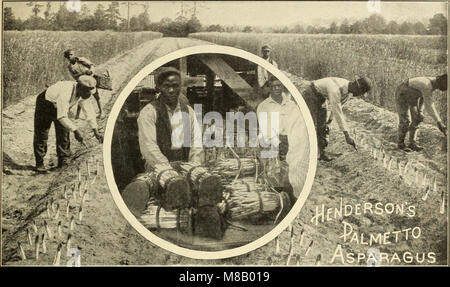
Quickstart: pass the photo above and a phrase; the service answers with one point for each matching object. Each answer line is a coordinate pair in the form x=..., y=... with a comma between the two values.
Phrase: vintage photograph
x=207, y=158
x=373, y=75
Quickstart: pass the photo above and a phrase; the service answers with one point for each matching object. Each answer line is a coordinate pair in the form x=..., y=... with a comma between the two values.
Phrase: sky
x=265, y=13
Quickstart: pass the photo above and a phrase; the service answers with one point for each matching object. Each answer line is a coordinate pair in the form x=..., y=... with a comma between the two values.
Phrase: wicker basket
x=104, y=81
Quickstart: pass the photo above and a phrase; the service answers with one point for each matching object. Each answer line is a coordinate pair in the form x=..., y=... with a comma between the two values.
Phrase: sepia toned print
x=245, y=181
x=371, y=73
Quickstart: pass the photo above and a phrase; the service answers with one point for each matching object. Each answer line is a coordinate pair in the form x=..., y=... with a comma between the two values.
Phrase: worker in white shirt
x=262, y=74
x=168, y=132
x=412, y=96
x=52, y=106
x=332, y=92
x=284, y=140
x=156, y=122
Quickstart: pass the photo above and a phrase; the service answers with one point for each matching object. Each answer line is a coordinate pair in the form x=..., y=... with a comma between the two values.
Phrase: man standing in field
x=261, y=73
x=287, y=165
x=52, y=106
x=333, y=92
x=79, y=66
x=411, y=97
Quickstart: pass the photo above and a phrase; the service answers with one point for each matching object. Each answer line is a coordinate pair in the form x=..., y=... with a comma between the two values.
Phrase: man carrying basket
x=79, y=66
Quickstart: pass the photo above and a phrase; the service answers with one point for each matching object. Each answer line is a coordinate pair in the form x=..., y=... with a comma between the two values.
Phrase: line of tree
x=375, y=24
x=103, y=18
x=108, y=18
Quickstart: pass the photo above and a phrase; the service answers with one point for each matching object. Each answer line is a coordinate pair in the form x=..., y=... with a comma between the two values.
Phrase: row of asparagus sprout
x=75, y=192
x=294, y=251
x=408, y=171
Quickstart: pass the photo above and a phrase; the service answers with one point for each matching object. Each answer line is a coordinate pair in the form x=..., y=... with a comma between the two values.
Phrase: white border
x=197, y=254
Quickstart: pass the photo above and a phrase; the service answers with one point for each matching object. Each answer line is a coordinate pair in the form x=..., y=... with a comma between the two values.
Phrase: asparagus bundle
x=231, y=167
x=193, y=171
x=209, y=187
x=156, y=217
x=161, y=175
x=164, y=175
x=176, y=190
x=242, y=204
x=246, y=185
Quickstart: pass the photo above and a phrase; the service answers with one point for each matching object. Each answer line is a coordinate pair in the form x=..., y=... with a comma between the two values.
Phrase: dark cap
x=363, y=85
x=441, y=82
x=67, y=52
x=164, y=72
x=266, y=47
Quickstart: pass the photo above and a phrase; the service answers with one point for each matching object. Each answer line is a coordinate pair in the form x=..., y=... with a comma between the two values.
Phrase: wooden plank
x=166, y=45
x=228, y=75
x=183, y=74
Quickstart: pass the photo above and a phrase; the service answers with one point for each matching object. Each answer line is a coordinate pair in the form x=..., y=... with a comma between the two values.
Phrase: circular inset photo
x=210, y=152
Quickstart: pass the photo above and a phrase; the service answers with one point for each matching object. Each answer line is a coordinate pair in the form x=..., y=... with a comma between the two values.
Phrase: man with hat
x=79, y=66
x=168, y=132
x=412, y=96
x=261, y=73
x=159, y=125
x=52, y=106
x=169, y=135
x=333, y=92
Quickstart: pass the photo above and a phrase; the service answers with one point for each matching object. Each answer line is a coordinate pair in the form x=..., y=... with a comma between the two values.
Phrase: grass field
x=106, y=238
x=33, y=59
x=386, y=59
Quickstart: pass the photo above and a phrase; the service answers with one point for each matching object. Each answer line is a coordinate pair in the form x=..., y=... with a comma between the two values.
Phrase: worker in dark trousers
x=412, y=96
x=331, y=93
x=52, y=106
x=79, y=66
x=262, y=75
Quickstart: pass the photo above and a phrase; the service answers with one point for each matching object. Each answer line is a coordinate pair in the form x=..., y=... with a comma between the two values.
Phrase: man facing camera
x=168, y=132
x=284, y=140
x=262, y=74
x=158, y=121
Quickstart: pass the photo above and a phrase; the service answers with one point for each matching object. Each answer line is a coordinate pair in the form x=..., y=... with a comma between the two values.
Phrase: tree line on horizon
x=108, y=18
